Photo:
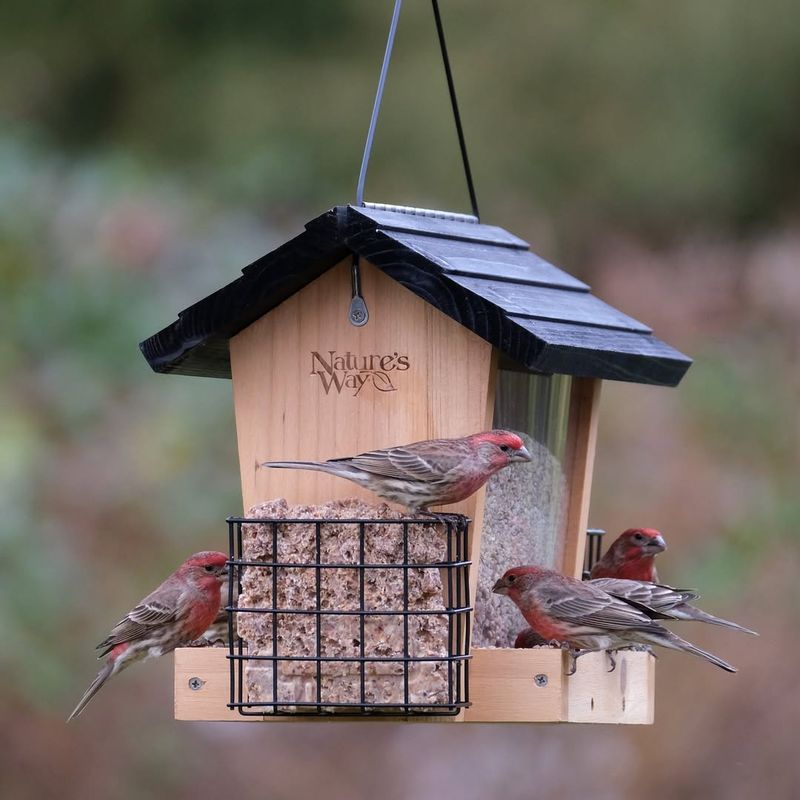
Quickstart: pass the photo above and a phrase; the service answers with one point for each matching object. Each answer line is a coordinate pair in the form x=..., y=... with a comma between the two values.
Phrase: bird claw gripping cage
x=345, y=629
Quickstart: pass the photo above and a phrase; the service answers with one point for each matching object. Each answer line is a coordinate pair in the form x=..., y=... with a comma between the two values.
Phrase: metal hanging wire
x=358, y=314
x=387, y=56
x=451, y=88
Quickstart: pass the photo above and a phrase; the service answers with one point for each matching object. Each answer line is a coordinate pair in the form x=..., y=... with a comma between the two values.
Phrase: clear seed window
x=524, y=519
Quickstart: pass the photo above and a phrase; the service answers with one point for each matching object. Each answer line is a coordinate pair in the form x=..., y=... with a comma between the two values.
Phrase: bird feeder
x=467, y=330
x=381, y=325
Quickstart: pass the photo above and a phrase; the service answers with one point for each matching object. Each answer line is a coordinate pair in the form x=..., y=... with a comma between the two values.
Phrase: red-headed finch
x=422, y=474
x=663, y=602
x=583, y=617
x=217, y=632
x=632, y=556
x=175, y=614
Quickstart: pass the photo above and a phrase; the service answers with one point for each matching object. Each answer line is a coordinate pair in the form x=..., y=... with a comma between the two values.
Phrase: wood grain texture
x=284, y=413
x=434, y=226
x=476, y=529
x=198, y=341
x=624, y=696
x=502, y=687
x=595, y=352
x=572, y=333
x=578, y=468
x=547, y=346
x=210, y=702
x=489, y=261
x=550, y=304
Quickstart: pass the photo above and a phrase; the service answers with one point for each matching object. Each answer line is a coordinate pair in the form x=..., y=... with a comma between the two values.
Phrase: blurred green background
x=149, y=150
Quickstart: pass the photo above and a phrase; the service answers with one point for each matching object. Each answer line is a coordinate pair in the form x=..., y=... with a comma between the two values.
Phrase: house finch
x=662, y=602
x=583, y=617
x=529, y=638
x=632, y=556
x=217, y=632
x=175, y=614
x=435, y=472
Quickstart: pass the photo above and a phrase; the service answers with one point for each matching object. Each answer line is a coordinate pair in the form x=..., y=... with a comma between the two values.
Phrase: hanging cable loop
x=362, y=175
x=451, y=88
x=358, y=314
x=387, y=57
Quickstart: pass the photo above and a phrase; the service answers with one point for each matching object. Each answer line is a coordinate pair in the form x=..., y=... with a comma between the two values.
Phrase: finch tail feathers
x=675, y=642
x=97, y=683
x=314, y=465
x=702, y=616
x=341, y=468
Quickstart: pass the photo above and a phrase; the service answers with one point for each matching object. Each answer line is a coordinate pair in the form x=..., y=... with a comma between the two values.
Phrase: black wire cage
x=313, y=654
x=594, y=549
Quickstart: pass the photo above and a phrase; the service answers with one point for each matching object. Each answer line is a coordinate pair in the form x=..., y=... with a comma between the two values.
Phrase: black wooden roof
x=484, y=277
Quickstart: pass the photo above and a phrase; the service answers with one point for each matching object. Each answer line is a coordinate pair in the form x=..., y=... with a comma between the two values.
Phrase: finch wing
x=426, y=461
x=656, y=596
x=159, y=608
x=588, y=606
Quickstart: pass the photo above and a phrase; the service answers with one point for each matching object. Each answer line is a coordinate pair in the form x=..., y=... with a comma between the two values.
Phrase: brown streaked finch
x=175, y=614
x=663, y=602
x=631, y=556
x=584, y=618
x=422, y=474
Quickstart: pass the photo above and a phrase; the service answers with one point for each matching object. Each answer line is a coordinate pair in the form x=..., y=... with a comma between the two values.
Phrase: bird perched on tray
x=584, y=618
x=529, y=638
x=657, y=600
x=422, y=474
x=663, y=602
x=175, y=614
x=630, y=560
x=216, y=634
x=632, y=556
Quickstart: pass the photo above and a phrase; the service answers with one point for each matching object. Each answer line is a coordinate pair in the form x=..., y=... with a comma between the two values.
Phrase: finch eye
x=512, y=578
x=209, y=567
x=505, y=448
x=638, y=537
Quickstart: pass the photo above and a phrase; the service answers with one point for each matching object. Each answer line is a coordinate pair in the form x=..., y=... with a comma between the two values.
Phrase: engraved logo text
x=351, y=373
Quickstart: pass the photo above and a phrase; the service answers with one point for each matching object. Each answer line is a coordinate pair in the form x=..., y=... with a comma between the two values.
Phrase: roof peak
x=485, y=278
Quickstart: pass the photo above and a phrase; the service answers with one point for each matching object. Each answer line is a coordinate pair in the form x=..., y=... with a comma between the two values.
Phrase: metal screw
x=540, y=679
x=358, y=313
x=195, y=684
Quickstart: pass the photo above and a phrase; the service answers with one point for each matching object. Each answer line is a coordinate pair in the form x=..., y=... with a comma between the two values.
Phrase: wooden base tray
x=505, y=686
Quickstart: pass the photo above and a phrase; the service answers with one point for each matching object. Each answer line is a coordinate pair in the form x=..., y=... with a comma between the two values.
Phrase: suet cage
x=361, y=654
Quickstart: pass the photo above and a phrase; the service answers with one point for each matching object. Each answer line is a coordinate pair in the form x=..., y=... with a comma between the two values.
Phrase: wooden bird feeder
x=467, y=330
x=382, y=325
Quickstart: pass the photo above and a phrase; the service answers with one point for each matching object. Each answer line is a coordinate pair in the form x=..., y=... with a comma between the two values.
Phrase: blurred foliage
x=742, y=404
x=99, y=460
x=645, y=114
x=149, y=150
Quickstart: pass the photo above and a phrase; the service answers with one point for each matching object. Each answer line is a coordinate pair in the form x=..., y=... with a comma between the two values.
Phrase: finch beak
x=521, y=455
x=656, y=545
x=501, y=587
